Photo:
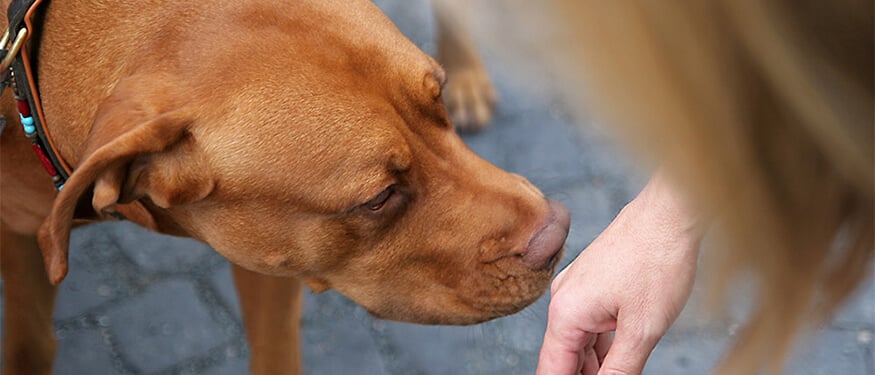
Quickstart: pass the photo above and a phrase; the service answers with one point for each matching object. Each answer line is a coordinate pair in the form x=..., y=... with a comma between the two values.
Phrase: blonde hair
x=764, y=111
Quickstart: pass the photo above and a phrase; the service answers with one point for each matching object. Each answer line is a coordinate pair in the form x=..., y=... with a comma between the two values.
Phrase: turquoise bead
x=27, y=123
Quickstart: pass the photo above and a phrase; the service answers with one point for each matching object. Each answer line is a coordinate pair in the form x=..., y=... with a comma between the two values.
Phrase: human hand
x=634, y=279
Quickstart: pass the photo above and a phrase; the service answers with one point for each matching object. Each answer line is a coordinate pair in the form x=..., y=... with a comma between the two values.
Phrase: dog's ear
x=139, y=149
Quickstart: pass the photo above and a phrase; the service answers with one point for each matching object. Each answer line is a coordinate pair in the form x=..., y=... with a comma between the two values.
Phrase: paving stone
x=695, y=317
x=514, y=97
x=508, y=345
x=414, y=18
x=336, y=338
x=488, y=146
x=830, y=352
x=691, y=355
x=232, y=359
x=96, y=275
x=164, y=325
x=541, y=147
x=696, y=342
x=149, y=250
x=407, y=341
x=327, y=305
x=222, y=280
x=726, y=317
x=860, y=308
x=237, y=366
x=517, y=339
x=523, y=332
x=84, y=351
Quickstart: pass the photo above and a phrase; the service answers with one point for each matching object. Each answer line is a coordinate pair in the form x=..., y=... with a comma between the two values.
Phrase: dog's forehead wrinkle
x=347, y=163
x=325, y=38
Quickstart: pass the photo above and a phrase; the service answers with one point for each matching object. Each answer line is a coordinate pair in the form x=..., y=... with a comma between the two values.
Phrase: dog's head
x=317, y=147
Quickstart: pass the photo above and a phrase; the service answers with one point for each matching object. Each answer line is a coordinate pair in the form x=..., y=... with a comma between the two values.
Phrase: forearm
x=663, y=210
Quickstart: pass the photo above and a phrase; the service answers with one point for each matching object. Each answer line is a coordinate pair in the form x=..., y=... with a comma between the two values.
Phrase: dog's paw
x=470, y=98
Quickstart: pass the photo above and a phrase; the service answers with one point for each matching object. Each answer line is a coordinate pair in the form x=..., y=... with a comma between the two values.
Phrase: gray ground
x=140, y=303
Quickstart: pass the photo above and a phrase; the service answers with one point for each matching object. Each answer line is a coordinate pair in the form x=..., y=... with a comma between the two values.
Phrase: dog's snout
x=546, y=244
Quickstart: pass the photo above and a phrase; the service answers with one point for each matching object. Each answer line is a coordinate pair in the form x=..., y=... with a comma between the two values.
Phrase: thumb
x=629, y=351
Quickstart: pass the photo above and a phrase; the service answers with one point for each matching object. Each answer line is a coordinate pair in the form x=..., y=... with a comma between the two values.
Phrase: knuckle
x=562, y=307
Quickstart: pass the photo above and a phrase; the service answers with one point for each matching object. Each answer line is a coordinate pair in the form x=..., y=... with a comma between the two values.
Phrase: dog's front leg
x=469, y=94
x=28, y=299
x=272, y=315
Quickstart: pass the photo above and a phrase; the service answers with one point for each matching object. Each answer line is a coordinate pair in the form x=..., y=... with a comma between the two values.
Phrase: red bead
x=23, y=108
x=47, y=164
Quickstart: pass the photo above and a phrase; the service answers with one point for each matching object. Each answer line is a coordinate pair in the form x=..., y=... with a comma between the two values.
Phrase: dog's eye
x=380, y=200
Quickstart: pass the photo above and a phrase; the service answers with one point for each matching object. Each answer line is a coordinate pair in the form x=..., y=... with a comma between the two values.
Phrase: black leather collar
x=17, y=70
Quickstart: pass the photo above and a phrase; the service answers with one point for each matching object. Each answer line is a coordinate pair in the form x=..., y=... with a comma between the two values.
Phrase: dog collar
x=16, y=70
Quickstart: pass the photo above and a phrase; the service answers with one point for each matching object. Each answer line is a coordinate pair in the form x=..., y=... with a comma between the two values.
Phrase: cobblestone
x=175, y=325
x=97, y=359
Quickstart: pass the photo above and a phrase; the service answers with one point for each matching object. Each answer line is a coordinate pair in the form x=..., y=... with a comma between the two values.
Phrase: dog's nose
x=545, y=246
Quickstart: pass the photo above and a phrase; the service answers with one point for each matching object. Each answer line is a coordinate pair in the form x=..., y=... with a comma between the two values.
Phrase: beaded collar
x=17, y=71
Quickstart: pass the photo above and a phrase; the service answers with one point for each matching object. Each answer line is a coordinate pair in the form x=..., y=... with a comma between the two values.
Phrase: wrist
x=667, y=213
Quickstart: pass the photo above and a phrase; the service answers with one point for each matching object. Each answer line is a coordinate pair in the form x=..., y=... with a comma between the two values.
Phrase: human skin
x=633, y=279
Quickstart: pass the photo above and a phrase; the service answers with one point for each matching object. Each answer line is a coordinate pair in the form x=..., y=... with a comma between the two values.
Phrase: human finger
x=602, y=345
x=589, y=361
x=629, y=351
x=563, y=342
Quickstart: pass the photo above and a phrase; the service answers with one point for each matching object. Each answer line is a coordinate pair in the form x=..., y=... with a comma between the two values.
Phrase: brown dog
x=303, y=140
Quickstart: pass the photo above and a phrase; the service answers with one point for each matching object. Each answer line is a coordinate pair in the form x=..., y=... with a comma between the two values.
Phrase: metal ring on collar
x=13, y=50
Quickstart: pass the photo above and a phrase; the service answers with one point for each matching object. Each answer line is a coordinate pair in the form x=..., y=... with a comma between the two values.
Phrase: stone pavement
x=140, y=303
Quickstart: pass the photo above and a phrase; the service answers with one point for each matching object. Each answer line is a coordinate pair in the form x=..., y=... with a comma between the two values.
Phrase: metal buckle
x=6, y=57
x=13, y=50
